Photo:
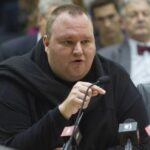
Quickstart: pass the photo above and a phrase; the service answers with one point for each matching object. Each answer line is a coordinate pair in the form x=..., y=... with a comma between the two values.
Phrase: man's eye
x=67, y=42
x=85, y=42
x=111, y=17
x=100, y=19
x=132, y=15
x=146, y=13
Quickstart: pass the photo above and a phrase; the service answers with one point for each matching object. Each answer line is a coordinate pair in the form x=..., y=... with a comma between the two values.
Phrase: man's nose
x=78, y=48
x=140, y=16
x=107, y=22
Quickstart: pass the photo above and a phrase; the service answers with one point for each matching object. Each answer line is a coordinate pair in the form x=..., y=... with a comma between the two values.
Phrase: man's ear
x=46, y=42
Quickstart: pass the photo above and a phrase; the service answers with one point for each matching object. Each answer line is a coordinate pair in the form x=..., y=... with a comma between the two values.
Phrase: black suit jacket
x=17, y=46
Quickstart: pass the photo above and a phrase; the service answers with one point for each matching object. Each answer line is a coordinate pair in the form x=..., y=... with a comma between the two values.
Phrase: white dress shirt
x=140, y=64
x=39, y=36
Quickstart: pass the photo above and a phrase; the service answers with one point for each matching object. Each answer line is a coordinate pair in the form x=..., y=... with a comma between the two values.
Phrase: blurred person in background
x=10, y=26
x=78, y=2
x=32, y=25
x=28, y=16
x=24, y=44
x=106, y=20
x=84, y=3
x=134, y=53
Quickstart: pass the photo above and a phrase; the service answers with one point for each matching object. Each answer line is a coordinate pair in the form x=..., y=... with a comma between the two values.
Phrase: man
x=130, y=54
x=42, y=91
x=24, y=44
x=106, y=20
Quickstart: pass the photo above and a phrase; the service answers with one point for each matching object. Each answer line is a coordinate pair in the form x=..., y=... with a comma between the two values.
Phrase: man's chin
x=142, y=38
x=142, y=32
x=75, y=77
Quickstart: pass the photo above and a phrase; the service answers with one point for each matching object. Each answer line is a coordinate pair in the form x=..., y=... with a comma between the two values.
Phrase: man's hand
x=73, y=102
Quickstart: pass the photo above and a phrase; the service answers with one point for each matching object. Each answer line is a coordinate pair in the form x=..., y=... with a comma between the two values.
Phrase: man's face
x=71, y=47
x=137, y=20
x=107, y=22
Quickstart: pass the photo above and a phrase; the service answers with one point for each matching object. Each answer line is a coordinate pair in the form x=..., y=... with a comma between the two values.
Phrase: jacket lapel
x=124, y=56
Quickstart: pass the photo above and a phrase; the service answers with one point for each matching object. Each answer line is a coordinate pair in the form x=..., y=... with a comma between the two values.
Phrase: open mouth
x=78, y=60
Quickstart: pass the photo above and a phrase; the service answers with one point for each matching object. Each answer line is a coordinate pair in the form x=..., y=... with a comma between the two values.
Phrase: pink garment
x=32, y=30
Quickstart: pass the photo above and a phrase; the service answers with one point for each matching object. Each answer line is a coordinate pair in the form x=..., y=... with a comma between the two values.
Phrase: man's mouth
x=79, y=60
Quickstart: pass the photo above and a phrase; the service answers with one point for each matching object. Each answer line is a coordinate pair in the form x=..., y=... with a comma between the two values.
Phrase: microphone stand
x=128, y=145
x=68, y=145
x=128, y=134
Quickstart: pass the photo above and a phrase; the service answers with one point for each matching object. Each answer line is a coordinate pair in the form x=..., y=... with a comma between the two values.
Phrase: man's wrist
x=64, y=111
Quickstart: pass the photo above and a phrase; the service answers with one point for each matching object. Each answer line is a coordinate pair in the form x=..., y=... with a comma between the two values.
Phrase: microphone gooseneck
x=101, y=80
x=128, y=146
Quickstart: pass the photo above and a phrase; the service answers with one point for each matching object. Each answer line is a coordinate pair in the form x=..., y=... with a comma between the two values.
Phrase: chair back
x=144, y=90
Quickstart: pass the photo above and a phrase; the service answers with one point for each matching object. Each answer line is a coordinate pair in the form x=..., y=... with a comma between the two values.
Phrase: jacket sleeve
x=16, y=127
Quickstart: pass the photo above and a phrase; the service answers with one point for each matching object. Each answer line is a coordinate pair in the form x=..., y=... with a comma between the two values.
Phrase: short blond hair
x=71, y=9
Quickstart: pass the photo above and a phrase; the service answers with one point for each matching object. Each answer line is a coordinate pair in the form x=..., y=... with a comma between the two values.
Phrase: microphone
x=73, y=131
x=128, y=132
x=103, y=79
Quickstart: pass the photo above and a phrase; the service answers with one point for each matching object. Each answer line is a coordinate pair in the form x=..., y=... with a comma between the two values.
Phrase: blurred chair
x=144, y=89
